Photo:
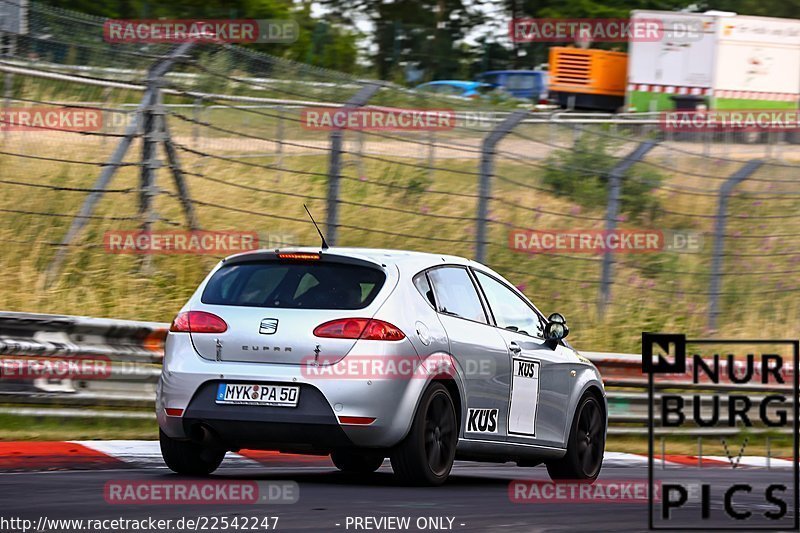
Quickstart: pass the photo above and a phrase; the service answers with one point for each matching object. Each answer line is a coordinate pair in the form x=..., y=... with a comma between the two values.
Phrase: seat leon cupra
x=365, y=354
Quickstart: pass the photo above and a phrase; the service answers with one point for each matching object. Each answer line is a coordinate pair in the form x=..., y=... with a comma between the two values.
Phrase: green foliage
x=319, y=43
x=420, y=35
x=638, y=189
x=323, y=44
x=581, y=173
x=418, y=182
x=407, y=182
x=194, y=9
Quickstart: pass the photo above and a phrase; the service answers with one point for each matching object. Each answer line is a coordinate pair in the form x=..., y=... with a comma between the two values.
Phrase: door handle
x=514, y=347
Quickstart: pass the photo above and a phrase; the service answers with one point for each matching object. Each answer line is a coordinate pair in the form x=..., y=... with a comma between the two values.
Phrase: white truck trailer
x=730, y=61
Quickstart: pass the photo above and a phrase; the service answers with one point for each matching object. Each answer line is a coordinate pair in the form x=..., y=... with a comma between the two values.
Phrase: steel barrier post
x=719, y=237
x=335, y=162
x=612, y=210
x=485, y=183
x=157, y=71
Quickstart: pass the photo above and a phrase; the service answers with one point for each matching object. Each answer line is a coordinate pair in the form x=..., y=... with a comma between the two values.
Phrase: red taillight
x=358, y=420
x=359, y=328
x=171, y=411
x=198, y=322
x=299, y=256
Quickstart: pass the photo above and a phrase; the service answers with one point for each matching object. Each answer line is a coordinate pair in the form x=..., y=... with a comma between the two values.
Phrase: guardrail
x=126, y=354
x=130, y=353
x=32, y=334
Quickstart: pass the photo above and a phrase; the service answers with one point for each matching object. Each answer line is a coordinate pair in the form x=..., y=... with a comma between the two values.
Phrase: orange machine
x=588, y=78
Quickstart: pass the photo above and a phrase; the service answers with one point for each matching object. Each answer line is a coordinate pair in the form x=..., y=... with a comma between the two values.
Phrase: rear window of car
x=521, y=81
x=278, y=284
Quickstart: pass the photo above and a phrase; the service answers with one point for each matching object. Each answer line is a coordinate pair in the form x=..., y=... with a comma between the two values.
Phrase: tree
x=319, y=43
x=323, y=44
x=424, y=34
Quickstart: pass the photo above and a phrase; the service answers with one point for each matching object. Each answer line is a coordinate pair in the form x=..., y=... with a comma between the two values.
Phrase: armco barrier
x=135, y=350
x=131, y=353
x=30, y=334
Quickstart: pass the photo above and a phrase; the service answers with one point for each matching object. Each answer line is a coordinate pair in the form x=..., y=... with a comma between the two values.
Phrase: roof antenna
x=321, y=236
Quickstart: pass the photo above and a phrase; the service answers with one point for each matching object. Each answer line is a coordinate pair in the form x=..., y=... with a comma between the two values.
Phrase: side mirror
x=556, y=329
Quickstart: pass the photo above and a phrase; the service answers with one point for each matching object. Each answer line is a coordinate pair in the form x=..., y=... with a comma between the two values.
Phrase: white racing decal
x=482, y=421
x=524, y=397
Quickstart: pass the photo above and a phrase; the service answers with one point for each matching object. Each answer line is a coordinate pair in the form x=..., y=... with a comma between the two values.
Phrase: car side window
x=424, y=288
x=455, y=294
x=510, y=311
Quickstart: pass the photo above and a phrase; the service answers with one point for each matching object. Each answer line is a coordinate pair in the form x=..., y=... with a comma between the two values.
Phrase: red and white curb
x=114, y=454
x=671, y=461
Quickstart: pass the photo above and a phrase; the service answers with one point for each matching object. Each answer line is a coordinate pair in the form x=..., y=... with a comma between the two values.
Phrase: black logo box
x=678, y=365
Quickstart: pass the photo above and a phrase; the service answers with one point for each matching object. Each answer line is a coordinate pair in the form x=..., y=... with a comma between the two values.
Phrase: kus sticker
x=482, y=421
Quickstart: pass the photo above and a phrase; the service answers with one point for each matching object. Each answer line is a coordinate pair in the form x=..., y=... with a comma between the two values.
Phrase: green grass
x=390, y=199
x=389, y=202
x=45, y=428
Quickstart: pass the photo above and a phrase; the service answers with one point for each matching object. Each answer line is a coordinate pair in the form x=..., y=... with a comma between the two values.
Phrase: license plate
x=258, y=394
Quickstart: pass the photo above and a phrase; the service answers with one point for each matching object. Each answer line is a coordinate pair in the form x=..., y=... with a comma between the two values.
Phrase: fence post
x=8, y=94
x=485, y=183
x=157, y=71
x=612, y=210
x=719, y=237
x=335, y=162
x=197, y=109
x=279, y=137
x=151, y=136
x=8, y=88
x=178, y=176
x=431, y=151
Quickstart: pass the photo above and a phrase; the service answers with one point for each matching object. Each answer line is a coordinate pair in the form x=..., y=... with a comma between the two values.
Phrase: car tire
x=425, y=456
x=587, y=439
x=357, y=461
x=188, y=457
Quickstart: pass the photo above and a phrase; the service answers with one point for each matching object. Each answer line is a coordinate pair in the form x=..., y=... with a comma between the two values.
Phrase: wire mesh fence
x=220, y=140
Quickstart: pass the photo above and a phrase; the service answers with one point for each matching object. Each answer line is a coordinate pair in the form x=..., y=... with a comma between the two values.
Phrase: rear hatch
x=273, y=302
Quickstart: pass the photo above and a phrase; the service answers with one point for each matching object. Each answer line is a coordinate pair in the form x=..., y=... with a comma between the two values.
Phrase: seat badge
x=268, y=326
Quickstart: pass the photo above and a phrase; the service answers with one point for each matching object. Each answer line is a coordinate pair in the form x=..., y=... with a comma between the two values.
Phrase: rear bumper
x=310, y=427
x=189, y=382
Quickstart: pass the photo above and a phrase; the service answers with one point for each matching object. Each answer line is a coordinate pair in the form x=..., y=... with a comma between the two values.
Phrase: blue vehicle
x=527, y=84
x=464, y=89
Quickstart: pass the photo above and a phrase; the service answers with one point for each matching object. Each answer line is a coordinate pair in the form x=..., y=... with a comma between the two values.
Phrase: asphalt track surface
x=476, y=497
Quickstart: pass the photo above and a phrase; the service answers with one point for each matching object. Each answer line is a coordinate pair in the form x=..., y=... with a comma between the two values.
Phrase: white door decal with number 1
x=524, y=397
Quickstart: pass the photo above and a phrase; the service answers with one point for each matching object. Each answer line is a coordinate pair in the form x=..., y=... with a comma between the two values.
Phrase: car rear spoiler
x=301, y=256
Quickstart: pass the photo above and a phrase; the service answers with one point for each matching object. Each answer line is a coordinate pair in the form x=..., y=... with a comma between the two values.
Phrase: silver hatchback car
x=366, y=354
